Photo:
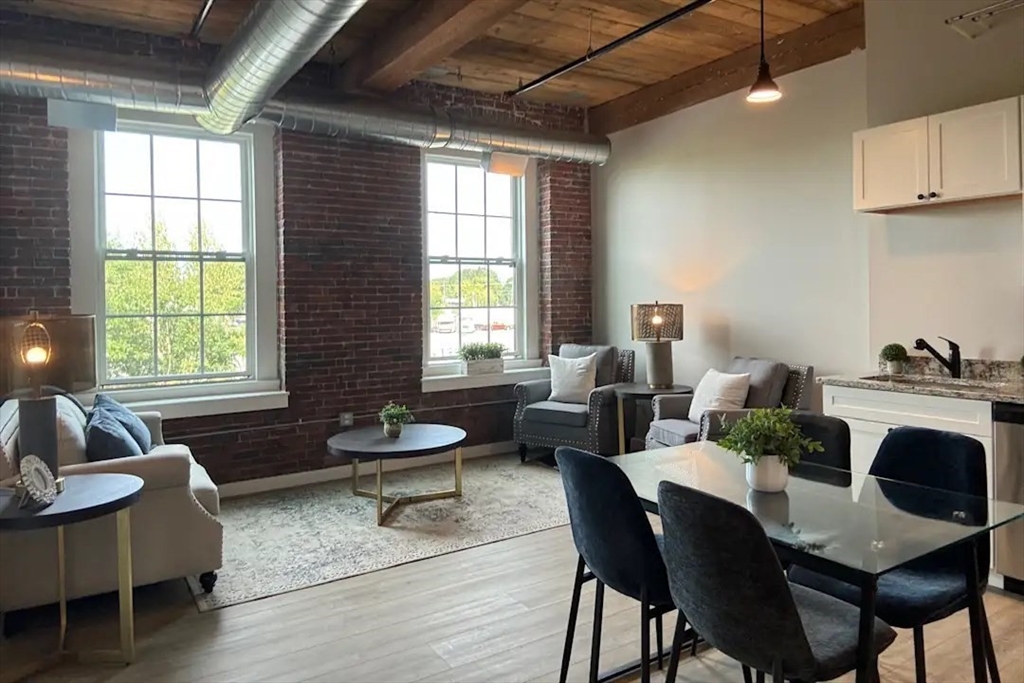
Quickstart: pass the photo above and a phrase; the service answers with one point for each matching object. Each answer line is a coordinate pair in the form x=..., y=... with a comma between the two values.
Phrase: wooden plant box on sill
x=485, y=366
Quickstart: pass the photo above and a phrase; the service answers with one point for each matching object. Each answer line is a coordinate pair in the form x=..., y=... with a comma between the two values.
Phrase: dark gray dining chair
x=617, y=545
x=932, y=587
x=725, y=576
x=834, y=435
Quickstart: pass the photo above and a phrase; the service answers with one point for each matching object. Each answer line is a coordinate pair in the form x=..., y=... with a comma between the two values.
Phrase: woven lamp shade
x=71, y=359
x=642, y=317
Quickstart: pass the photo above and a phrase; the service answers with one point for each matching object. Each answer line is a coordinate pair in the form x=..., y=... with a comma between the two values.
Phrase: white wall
x=956, y=271
x=743, y=214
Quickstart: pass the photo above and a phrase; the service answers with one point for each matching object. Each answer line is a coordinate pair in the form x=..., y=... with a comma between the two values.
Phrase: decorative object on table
x=894, y=355
x=769, y=508
x=769, y=442
x=393, y=417
x=36, y=487
x=51, y=355
x=764, y=88
x=482, y=358
x=658, y=325
x=572, y=379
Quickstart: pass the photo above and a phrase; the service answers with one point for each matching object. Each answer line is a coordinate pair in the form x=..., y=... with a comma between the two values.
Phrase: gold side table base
x=393, y=502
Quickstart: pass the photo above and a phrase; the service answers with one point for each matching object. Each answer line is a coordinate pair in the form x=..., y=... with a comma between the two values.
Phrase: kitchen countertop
x=931, y=385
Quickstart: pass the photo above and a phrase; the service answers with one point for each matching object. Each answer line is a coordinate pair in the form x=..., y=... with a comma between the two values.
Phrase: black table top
x=370, y=443
x=85, y=496
x=643, y=389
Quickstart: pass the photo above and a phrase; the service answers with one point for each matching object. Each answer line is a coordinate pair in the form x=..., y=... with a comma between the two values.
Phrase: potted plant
x=894, y=355
x=393, y=417
x=482, y=358
x=769, y=442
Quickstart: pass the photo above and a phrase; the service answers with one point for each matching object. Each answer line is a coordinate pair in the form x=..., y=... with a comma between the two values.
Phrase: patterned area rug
x=287, y=540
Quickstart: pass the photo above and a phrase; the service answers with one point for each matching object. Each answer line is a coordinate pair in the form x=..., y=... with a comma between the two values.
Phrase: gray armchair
x=772, y=385
x=590, y=426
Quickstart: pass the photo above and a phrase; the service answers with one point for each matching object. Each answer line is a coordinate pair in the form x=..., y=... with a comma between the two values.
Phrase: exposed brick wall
x=349, y=272
x=35, y=239
x=566, y=301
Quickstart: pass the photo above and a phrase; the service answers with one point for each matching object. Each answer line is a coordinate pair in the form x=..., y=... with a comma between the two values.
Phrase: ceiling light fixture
x=764, y=88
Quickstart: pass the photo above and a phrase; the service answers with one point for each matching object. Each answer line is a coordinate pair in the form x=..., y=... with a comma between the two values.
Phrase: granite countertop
x=1011, y=391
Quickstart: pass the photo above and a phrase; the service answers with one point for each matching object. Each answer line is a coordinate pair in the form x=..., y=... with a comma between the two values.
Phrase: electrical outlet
x=346, y=419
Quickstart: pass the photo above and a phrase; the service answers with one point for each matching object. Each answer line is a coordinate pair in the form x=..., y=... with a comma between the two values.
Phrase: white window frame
x=264, y=388
x=440, y=375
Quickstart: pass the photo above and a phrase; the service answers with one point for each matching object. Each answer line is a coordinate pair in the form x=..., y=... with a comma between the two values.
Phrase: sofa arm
x=154, y=422
x=157, y=470
x=602, y=425
x=713, y=422
x=671, y=406
x=533, y=391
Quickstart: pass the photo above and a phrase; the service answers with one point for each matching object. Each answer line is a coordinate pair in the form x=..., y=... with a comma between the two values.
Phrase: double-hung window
x=175, y=212
x=475, y=267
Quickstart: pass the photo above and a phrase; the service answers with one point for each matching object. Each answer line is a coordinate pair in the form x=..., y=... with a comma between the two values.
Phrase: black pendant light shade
x=764, y=88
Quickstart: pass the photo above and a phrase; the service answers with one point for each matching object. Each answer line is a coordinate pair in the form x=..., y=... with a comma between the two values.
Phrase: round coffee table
x=85, y=497
x=417, y=440
x=640, y=390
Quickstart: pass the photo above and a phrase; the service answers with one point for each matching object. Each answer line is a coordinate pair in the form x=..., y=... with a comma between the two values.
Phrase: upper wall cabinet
x=964, y=154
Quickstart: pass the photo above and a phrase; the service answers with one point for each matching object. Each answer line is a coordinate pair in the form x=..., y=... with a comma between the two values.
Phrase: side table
x=85, y=497
x=636, y=391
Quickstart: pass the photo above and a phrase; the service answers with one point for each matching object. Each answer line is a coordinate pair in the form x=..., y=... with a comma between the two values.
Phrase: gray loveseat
x=591, y=426
x=772, y=385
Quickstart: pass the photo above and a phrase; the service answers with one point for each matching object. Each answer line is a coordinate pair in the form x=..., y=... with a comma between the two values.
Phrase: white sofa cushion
x=718, y=391
x=572, y=379
x=70, y=434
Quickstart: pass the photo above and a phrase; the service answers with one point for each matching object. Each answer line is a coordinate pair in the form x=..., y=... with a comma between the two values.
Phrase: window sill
x=455, y=382
x=201, y=406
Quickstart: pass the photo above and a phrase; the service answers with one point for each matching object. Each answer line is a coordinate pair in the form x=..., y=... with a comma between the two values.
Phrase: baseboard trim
x=288, y=481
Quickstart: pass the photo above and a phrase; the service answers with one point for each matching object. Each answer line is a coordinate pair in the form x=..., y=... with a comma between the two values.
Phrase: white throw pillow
x=572, y=379
x=719, y=391
x=70, y=435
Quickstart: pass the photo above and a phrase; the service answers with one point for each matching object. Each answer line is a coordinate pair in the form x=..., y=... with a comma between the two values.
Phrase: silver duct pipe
x=104, y=79
x=274, y=41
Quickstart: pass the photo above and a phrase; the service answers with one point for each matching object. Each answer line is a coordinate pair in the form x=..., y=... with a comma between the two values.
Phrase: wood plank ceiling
x=516, y=41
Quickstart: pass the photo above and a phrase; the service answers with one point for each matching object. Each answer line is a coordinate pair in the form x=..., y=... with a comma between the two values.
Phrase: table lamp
x=53, y=354
x=658, y=325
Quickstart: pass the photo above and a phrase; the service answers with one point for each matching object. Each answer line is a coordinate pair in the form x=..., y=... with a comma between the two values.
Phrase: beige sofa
x=175, y=531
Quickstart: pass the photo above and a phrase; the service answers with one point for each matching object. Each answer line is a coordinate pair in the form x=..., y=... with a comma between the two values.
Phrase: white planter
x=769, y=475
x=894, y=367
x=487, y=366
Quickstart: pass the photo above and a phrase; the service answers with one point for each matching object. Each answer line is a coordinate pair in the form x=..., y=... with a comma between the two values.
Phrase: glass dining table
x=851, y=526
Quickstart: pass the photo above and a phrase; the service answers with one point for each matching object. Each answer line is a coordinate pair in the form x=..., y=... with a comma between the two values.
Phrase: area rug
x=287, y=540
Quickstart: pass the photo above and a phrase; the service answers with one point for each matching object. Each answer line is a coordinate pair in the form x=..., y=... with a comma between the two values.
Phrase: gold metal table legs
x=394, y=501
x=622, y=429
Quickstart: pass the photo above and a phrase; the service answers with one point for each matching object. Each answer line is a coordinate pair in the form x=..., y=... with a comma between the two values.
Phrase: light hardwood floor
x=492, y=613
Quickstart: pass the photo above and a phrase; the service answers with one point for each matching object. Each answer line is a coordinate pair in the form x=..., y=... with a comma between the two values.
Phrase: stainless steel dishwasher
x=1008, y=419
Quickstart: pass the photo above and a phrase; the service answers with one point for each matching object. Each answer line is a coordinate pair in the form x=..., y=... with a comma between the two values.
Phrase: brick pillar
x=566, y=300
x=35, y=234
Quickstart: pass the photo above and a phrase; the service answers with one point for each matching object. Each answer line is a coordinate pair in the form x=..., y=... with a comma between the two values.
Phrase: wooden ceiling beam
x=423, y=36
x=824, y=40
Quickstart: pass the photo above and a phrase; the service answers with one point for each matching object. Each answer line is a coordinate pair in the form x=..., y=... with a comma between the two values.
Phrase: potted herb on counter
x=894, y=355
x=393, y=417
x=769, y=442
x=482, y=358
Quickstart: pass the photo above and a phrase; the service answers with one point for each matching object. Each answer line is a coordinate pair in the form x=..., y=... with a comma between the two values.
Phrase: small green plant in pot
x=894, y=355
x=481, y=358
x=769, y=442
x=393, y=417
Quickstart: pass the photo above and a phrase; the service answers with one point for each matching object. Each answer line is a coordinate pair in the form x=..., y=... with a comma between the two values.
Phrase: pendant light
x=764, y=88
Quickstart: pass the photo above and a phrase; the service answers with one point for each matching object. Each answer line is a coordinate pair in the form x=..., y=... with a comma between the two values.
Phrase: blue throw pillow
x=129, y=420
x=106, y=438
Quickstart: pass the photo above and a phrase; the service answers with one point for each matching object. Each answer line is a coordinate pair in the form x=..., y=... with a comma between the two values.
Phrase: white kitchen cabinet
x=964, y=154
x=975, y=152
x=890, y=165
x=865, y=438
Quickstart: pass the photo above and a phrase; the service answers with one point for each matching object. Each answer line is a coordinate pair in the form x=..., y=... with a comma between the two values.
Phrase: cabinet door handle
x=933, y=195
x=921, y=196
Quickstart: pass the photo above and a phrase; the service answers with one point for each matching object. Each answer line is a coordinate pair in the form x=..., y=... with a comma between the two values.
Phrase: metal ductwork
x=105, y=79
x=274, y=41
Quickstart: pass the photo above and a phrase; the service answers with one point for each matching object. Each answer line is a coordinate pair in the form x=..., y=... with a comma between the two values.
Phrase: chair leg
x=919, y=668
x=747, y=676
x=645, y=638
x=777, y=672
x=595, y=644
x=659, y=638
x=760, y=676
x=570, y=632
x=677, y=645
x=990, y=653
x=522, y=452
